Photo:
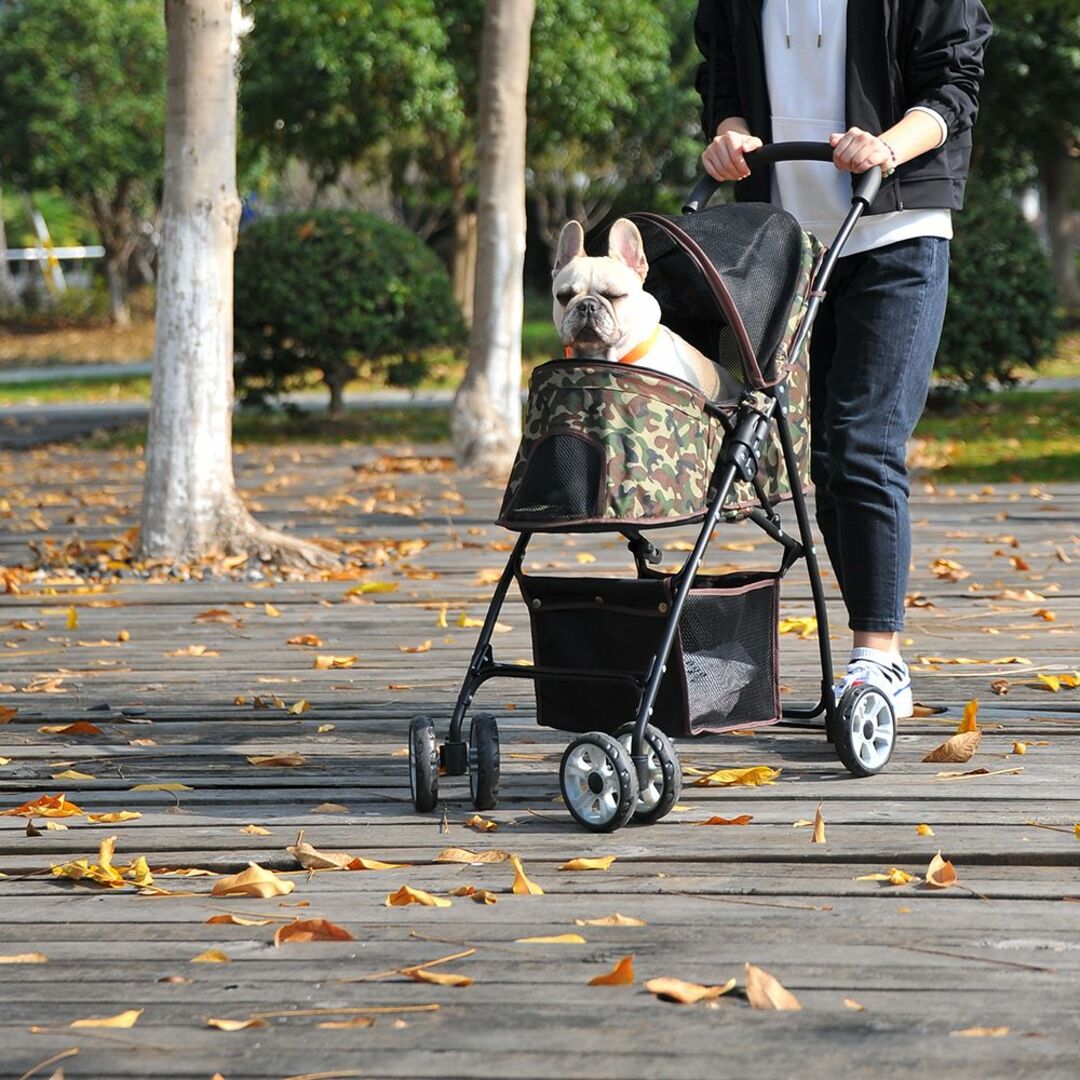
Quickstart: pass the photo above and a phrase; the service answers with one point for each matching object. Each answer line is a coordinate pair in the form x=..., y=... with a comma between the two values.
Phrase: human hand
x=856, y=150
x=723, y=158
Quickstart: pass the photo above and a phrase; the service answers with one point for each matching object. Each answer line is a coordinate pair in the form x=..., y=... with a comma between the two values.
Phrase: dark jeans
x=871, y=354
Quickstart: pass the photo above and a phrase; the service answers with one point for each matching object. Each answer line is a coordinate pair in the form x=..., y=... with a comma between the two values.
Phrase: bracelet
x=892, y=154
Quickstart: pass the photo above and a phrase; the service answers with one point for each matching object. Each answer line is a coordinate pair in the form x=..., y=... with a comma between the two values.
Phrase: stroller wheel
x=865, y=730
x=598, y=781
x=484, y=762
x=665, y=774
x=423, y=764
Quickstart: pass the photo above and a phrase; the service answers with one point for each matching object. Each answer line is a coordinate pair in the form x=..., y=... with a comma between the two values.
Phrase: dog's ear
x=624, y=244
x=571, y=245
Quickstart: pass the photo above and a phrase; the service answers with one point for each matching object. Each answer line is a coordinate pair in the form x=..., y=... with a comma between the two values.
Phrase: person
x=890, y=84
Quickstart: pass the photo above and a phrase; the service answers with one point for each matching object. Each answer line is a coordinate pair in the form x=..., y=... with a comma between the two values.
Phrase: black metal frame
x=738, y=459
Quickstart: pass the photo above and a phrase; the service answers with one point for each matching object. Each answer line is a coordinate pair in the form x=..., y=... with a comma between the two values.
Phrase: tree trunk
x=1060, y=171
x=463, y=273
x=486, y=419
x=116, y=273
x=191, y=509
x=9, y=295
x=336, y=378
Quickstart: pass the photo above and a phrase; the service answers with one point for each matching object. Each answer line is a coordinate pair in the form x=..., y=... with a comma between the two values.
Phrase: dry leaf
x=299, y=708
x=329, y=808
x=941, y=873
x=819, y=828
x=437, y=978
x=686, y=993
x=50, y=806
x=803, y=625
x=480, y=896
x=422, y=648
x=120, y=1020
x=1019, y=748
x=312, y=641
x=366, y=587
x=522, y=885
x=469, y=623
x=80, y=727
x=464, y=855
x=236, y=920
x=355, y=1022
x=72, y=774
x=970, y=721
x=254, y=881
x=311, y=858
x=193, y=650
x=275, y=761
x=113, y=817
x=552, y=939
x=611, y=920
x=24, y=958
x=764, y=991
x=234, y=1025
x=271, y=611
x=893, y=876
x=754, y=776
x=622, y=974
x=407, y=895
x=742, y=819
x=161, y=787
x=601, y=863
x=923, y=830
x=72, y=619
x=440, y=622
x=330, y=663
x=481, y=824
x=255, y=830
x=311, y=930
x=957, y=748
x=211, y=956
x=979, y=1032
x=851, y=1003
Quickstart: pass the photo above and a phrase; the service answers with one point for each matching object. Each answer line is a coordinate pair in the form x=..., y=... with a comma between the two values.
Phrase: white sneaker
x=886, y=672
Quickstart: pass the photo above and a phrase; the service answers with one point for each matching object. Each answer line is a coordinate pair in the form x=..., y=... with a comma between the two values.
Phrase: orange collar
x=636, y=353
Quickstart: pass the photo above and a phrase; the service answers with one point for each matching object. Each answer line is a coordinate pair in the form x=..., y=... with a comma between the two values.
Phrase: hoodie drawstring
x=820, y=23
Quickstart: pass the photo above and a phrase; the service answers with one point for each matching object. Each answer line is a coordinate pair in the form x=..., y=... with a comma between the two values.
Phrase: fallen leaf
x=55, y=826
x=311, y=930
x=24, y=958
x=803, y=625
x=311, y=858
x=437, y=978
x=333, y=663
x=366, y=587
x=522, y=885
x=893, y=876
x=234, y=1025
x=80, y=727
x=464, y=855
x=271, y=611
x=312, y=641
x=819, y=828
x=329, y=808
x=275, y=761
x=754, y=776
x=236, y=920
x=742, y=819
x=970, y=721
x=686, y=993
x=851, y=1003
x=113, y=817
x=72, y=618
x=355, y=1022
x=51, y=806
x=957, y=748
x=764, y=991
x=1051, y=682
x=7, y=714
x=978, y=772
x=978, y=1032
x=254, y=881
x=407, y=895
x=193, y=650
x=941, y=873
x=120, y=1020
x=622, y=974
x=211, y=956
x=480, y=896
x=611, y=920
x=552, y=939
x=255, y=830
x=440, y=622
x=72, y=774
x=601, y=863
x=1019, y=748
x=299, y=708
x=422, y=648
x=161, y=787
x=481, y=824
x=584, y=557
x=923, y=830
x=469, y=623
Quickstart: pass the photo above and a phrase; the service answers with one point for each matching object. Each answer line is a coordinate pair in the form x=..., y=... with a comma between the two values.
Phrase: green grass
x=82, y=391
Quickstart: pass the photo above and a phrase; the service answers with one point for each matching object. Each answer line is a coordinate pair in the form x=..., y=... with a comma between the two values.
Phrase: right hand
x=723, y=158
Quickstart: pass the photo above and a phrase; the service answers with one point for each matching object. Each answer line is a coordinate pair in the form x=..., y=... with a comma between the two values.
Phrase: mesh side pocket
x=562, y=479
x=729, y=639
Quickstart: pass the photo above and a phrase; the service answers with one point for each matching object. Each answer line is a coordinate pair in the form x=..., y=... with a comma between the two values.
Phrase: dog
x=602, y=311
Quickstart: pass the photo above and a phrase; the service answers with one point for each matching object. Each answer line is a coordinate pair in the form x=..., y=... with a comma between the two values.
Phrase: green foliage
x=1001, y=296
x=337, y=292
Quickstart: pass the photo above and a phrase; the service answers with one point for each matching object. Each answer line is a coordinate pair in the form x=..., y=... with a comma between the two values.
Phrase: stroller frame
x=862, y=712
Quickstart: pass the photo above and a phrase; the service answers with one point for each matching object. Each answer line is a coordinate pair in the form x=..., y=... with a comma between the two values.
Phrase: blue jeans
x=871, y=355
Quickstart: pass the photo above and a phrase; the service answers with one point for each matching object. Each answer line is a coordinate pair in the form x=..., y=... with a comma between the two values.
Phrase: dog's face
x=601, y=308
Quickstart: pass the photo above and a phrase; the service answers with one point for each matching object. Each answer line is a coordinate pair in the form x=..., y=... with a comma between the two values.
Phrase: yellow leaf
x=51, y=806
x=1050, y=681
x=1019, y=748
x=194, y=650
x=479, y=896
x=254, y=881
x=312, y=641
x=957, y=748
x=923, y=830
x=469, y=623
x=211, y=956
x=754, y=776
x=423, y=647
x=311, y=930
x=72, y=618
x=941, y=873
x=1047, y=616
x=274, y=761
x=72, y=774
x=255, y=830
x=584, y=557
x=299, y=708
x=622, y=974
x=742, y=819
x=611, y=920
x=601, y=863
x=1076, y=829
x=354, y=1022
x=271, y=610
x=764, y=991
x=24, y=958
x=161, y=787
x=464, y=855
x=236, y=920
x=481, y=824
x=56, y=826
x=440, y=622
x=893, y=876
x=437, y=978
x=407, y=895
x=552, y=939
x=333, y=663
x=522, y=885
x=5, y=761
x=234, y=1025
x=488, y=577
x=686, y=993
x=803, y=625
x=970, y=722
x=851, y=1003
x=329, y=808
x=366, y=587
x=322, y=729
x=121, y=1020
x=982, y=1032
x=80, y=727
x=819, y=828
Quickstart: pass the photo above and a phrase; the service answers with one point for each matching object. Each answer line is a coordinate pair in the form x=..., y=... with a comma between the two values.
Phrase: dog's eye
x=564, y=296
x=613, y=296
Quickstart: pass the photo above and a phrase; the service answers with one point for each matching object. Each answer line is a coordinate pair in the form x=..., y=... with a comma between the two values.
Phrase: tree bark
x=116, y=271
x=486, y=420
x=9, y=295
x=191, y=509
x=1060, y=172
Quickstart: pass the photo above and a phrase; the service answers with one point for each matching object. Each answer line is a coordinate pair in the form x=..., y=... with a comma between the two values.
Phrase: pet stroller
x=627, y=664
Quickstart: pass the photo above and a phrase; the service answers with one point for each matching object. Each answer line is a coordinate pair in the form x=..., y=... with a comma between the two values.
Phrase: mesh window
x=730, y=656
x=562, y=480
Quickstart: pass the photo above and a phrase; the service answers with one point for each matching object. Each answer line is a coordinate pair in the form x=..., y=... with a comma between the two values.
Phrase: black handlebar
x=865, y=190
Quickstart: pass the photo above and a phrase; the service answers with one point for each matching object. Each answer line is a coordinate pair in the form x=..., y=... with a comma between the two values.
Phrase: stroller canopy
x=731, y=280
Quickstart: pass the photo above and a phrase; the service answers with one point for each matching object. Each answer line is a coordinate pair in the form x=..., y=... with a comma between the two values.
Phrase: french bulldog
x=602, y=311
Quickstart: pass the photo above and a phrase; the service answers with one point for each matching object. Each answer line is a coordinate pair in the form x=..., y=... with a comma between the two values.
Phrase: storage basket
x=723, y=671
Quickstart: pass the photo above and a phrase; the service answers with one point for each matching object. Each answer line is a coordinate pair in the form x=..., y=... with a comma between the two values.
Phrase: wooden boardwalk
x=886, y=975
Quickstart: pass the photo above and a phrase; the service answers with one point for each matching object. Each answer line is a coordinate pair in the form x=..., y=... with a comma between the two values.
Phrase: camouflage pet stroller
x=627, y=664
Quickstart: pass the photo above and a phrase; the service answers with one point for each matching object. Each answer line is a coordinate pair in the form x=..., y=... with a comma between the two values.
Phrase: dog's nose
x=589, y=305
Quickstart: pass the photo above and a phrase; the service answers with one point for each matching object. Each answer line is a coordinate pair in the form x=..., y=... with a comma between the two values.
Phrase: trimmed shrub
x=340, y=293
x=1002, y=302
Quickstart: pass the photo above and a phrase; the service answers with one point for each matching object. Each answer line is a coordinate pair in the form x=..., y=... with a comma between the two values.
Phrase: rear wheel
x=484, y=762
x=865, y=730
x=598, y=781
x=656, y=799
x=423, y=764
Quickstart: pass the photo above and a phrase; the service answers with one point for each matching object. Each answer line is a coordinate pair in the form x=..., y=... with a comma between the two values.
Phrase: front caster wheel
x=598, y=781
x=665, y=773
x=865, y=730
x=484, y=762
x=423, y=764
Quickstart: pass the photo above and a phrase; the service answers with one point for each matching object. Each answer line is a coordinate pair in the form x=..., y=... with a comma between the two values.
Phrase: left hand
x=856, y=150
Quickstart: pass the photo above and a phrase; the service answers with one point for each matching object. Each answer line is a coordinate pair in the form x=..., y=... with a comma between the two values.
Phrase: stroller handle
x=865, y=190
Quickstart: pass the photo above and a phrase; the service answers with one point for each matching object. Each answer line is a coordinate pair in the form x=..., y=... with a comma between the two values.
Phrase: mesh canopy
x=755, y=248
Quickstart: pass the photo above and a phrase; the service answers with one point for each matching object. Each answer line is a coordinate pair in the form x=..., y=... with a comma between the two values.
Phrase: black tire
x=655, y=801
x=423, y=764
x=598, y=782
x=865, y=730
x=484, y=761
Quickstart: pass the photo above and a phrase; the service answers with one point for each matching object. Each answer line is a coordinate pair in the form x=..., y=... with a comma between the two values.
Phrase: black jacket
x=900, y=53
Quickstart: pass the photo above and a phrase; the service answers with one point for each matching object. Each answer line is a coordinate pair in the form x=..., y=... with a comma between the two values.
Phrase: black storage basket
x=723, y=671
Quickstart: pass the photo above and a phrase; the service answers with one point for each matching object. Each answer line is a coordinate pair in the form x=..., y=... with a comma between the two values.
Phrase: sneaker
x=886, y=672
